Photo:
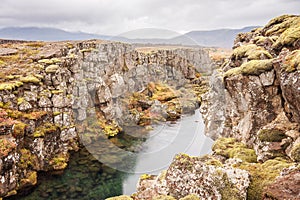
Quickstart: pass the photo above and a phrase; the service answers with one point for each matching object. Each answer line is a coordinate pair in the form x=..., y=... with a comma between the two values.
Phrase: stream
x=87, y=178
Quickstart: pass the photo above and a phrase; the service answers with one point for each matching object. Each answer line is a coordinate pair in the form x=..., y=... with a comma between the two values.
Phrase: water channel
x=87, y=178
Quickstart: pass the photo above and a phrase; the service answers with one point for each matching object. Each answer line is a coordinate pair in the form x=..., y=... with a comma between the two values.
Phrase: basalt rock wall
x=46, y=88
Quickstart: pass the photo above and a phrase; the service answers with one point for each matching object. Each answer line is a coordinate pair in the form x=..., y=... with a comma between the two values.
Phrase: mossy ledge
x=253, y=67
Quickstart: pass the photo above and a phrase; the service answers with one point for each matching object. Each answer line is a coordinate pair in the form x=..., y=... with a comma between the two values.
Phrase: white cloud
x=118, y=16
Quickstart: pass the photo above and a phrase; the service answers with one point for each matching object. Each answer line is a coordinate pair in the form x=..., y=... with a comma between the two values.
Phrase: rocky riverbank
x=252, y=111
x=54, y=96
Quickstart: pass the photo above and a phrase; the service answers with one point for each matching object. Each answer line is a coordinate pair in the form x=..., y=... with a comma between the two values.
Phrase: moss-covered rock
x=27, y=159
x=111, y=128
x=280, y=24
x=146, y=176
x=288, y=37
x=10, y=85
x=163, y=93
x=52, y=68
x=295, y=152
x=50, y=61
x=30, y=180
x=6, y=147
x=271, y=135
x=19, y=129
x=190, y=197
x=191, y=175
x=30, y=79
x=262, y=175
x=292, y=61
x=59, y=162
x=122, y=197
x=231, y=148
x=46, y=128
x=251, y=51
x=164, y=197
x=253, y=67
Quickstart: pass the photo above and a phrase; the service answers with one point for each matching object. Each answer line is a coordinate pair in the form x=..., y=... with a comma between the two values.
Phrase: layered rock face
x=252, y=111
x=260, y=104
x=47, y=89
x=254, y=97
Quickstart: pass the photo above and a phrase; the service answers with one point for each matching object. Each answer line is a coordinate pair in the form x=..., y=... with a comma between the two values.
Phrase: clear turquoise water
x=87, y=178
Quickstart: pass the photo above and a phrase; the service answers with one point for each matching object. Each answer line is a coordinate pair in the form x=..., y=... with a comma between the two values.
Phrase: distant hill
x=45, y=34
x=217, y=38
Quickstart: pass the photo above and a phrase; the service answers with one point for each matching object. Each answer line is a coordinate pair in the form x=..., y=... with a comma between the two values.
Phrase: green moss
x=30, y=180
x=11, y=193
x=163, y=93
x=210, y=160
x=231, y=148
x=164, y=197
x=256, y=67
x=10, y=85
x=27, y=159
x=56, y=60
x=233, y=72
x=109, y=128
x=185, y=161
x=34, y=115
x=253, y=67
x=44, y=129
x=56, y=113
x=280, y=24
x=88, y=50
x=19, y=129
x=59, y=162
x=29, y=79
x=295, y=152
x=229, y=191
x=145, y=176
x=39, y=76
x=122, y=197
x=10, y=77
x=52, y=68
x=292, y=61
x=57, y=91
x=288, y=37
x=251, y=51
x=262, y=175
x=190, y=197
x=271, y=135
x=35, y=44
x=6, y=147
x=2, y=62
x=20, y=100
x=50, y=61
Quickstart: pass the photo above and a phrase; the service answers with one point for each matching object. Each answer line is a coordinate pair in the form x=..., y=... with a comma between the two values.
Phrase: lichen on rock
x=231, y=148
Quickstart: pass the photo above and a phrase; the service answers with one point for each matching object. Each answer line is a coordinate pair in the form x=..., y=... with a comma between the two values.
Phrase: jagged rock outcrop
x=286, y=186
x=259, y=104
x=48, y=90
x=205, y=177
x=261, y=86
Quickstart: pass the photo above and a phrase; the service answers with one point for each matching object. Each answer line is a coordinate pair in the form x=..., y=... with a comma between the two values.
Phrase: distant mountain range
x=214, y=38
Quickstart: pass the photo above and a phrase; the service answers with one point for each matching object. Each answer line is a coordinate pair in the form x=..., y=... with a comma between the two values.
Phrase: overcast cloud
x=113, y=17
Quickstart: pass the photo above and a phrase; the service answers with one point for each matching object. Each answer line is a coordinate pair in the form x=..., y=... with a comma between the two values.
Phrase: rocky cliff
x=48, y=91
x=254, y=96
x=252, y=111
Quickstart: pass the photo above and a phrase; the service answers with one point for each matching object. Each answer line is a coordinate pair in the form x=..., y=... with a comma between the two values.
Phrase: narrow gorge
x=59, y=97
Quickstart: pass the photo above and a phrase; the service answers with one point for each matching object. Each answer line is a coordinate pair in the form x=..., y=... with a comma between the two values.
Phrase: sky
x=114, y=17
